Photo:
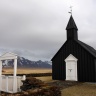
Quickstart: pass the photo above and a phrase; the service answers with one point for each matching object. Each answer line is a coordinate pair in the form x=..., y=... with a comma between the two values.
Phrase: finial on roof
x=70, y=10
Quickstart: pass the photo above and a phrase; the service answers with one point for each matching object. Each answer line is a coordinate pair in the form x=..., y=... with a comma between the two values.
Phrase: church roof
x=90, y=49
x=71, y=24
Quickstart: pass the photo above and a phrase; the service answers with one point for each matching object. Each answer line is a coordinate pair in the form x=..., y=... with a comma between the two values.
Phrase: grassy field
x=83, y=89
x=46, y=79
x=26, y=70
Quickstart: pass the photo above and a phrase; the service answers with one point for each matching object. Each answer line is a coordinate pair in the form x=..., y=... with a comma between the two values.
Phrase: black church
x=75, y=60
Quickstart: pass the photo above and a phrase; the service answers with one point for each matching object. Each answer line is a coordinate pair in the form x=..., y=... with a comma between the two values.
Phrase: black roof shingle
x=90, y=49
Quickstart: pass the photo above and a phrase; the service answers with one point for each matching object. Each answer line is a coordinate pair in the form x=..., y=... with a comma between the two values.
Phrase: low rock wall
x=32, y=75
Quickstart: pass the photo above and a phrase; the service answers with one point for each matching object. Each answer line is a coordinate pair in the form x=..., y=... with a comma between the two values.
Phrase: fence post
x=0, y=75
x=15, y=77
x=7, y=84
x=24, y=77
x=0, y=83
x=14, y=84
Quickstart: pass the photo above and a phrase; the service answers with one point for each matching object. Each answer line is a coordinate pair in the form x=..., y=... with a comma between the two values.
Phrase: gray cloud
x=35, y=29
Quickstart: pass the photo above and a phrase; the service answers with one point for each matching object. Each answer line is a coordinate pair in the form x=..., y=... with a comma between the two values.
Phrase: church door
x=71, y=68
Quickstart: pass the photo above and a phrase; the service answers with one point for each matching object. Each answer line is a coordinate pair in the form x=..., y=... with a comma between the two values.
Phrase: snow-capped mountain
x=22, y=62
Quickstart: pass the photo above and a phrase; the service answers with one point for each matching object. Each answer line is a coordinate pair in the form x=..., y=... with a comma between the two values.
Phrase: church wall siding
x=85, y=64
x=95, y=68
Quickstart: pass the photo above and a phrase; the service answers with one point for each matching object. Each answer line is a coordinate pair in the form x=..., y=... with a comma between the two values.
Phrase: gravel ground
x=64, y=84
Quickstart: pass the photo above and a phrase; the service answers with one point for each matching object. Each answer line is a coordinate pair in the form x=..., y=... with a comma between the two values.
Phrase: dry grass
x=83, y=89
x=45, y=79
x=80, y=90
x=26, y=70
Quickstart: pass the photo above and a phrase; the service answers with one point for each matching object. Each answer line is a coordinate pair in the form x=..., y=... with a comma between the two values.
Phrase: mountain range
x=22, y=62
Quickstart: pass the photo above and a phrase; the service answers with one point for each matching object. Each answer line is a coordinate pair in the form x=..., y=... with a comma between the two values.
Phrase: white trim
x=9, y=53
x=73, y=58
x=6, y=58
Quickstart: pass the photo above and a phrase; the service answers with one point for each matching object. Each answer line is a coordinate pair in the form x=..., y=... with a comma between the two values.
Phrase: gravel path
x=63, y=84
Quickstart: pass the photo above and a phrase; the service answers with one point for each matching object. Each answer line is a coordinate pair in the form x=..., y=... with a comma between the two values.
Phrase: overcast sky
x=35, y=29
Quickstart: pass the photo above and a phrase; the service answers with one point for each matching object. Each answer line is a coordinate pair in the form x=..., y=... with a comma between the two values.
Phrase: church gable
x=74, y=47
x=60, y=50
x=66, y=49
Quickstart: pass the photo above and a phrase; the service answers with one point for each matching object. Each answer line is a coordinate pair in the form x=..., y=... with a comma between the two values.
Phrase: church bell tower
x=72, y=29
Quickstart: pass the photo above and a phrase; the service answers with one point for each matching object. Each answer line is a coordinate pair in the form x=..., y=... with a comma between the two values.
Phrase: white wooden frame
x=10, y=80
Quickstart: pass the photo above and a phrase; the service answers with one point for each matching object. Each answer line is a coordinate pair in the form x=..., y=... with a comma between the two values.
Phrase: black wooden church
x=75, y=60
